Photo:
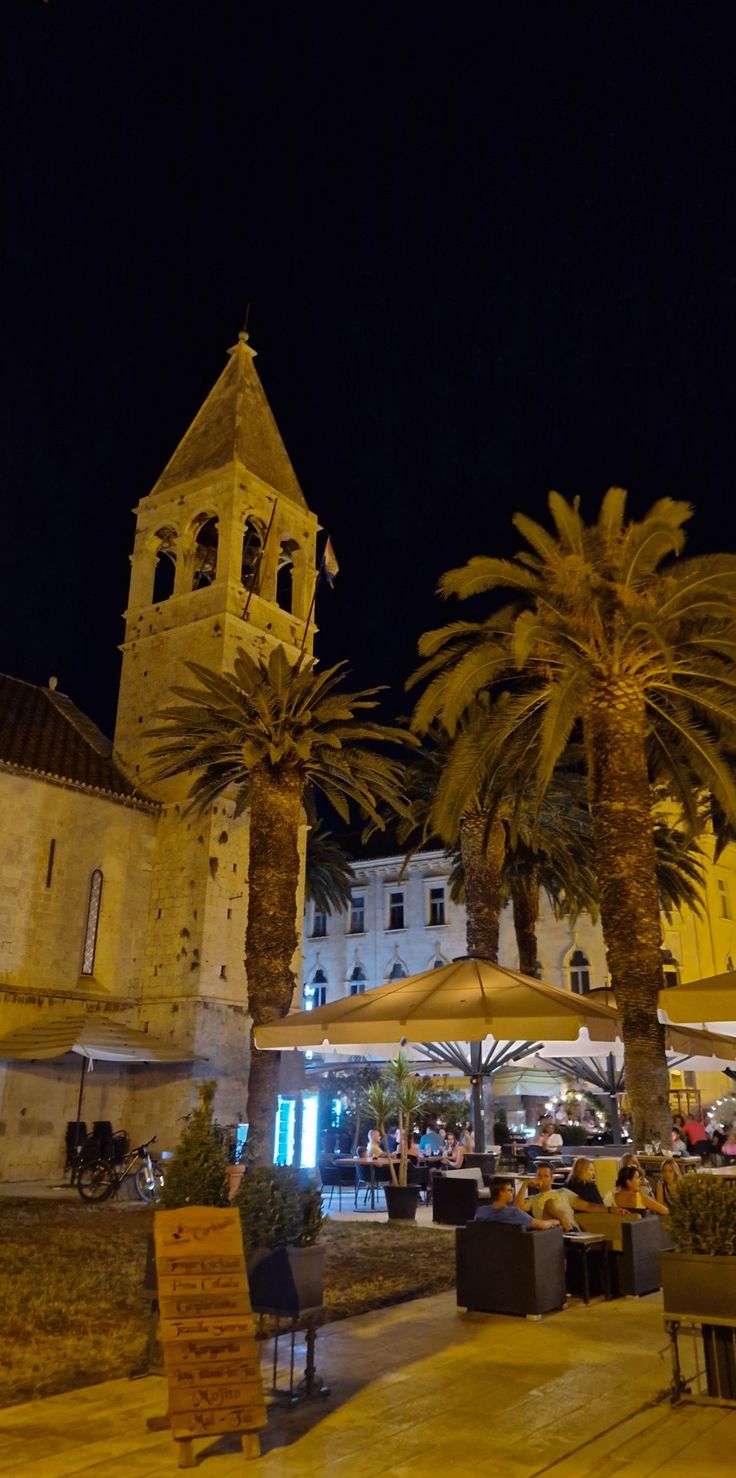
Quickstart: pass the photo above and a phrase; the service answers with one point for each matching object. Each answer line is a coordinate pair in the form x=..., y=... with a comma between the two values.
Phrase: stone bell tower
x=224, y=559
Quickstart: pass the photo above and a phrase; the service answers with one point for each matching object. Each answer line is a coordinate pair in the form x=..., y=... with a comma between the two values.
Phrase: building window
x=93, y=919
x=357, y=981
x=724, y=902
x=437, y=903
x=397, y=971
x=357, y=914
x=315, y=993
x=579, y=973
x=670, y=969
x=319, y=924
x=395, y=910
x=438, y=963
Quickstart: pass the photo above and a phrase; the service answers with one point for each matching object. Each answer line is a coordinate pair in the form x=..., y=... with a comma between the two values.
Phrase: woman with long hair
x=630, y=1195
x=670, y=1177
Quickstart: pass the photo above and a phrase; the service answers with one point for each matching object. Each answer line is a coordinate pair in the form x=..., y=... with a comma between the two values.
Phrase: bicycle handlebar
x=143, y=1147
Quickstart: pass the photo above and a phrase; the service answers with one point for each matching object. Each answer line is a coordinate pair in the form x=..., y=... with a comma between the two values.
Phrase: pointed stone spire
x=235, y=424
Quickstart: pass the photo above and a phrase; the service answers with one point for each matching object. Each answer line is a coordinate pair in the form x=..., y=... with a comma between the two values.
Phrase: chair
x=330, y=1179
x=418, y=1175
x=76, y=1133
x=509, y=1270
x=369, y=1179
x=455, y=1198
x=635, y=1243
x=486, y=1161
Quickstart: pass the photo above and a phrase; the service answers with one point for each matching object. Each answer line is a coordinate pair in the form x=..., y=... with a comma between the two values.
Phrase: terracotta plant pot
x=235, y=1174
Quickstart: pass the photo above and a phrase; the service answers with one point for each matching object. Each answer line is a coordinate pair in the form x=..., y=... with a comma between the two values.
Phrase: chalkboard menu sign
x=206, y=1328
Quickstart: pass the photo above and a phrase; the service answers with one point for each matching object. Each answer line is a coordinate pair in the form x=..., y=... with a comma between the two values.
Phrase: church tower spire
x=224, y=552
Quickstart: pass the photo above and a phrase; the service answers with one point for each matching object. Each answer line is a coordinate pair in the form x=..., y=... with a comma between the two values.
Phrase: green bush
x=197, y=1175
x=703, y=1215
x=277, y=1209
x=572, y=1133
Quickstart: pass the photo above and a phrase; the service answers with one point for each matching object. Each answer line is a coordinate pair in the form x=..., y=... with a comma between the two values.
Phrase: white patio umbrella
x=458, y=1006
x=712, y=1001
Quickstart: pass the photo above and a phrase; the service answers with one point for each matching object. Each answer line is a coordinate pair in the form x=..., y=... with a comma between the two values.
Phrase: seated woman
x=549, y=1140
x=412, y=1149
x=582, y=1182
x=633, y=1160
x=729, y=1144
x=671, y=1177
x=629, y=1194
x=455, y=1153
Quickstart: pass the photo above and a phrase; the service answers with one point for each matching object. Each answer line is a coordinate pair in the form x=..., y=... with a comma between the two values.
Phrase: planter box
x=286, y=1280
x=698, y=1287
x=401, y=1201
x=704, y=1289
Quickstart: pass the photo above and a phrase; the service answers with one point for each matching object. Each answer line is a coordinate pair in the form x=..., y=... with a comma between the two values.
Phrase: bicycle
x=98, y=1180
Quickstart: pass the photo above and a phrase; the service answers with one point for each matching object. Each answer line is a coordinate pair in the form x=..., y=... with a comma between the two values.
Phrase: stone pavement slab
x=419, y=1388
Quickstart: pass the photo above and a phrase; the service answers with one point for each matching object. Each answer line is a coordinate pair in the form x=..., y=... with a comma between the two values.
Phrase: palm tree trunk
x=482, y=849
x=620, y=804
x=525, y=900
x=271, y=935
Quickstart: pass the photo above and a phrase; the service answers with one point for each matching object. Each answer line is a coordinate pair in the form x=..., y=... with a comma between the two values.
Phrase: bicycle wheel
x=96, y=1180
x=149, y=1190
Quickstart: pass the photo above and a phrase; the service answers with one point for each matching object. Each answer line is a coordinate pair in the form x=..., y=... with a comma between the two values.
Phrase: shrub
x=703, y=1215
x=572, y=1133
x=197, y=1175
x=277, y=1209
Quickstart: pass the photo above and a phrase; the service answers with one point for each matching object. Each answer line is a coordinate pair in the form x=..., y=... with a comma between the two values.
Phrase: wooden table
x=726, y=1172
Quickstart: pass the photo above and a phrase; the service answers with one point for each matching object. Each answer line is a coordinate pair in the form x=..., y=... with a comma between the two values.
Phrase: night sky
x=488, y=250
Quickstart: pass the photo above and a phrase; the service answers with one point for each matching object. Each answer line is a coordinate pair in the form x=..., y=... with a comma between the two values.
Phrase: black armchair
x=635, y=1243
x=454, y=1199
x=509, y=1270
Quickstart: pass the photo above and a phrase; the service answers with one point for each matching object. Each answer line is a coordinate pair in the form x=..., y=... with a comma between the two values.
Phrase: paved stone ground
x=420, y=1388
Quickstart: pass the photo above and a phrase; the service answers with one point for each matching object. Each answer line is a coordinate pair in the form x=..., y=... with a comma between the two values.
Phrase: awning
x=90, y=1035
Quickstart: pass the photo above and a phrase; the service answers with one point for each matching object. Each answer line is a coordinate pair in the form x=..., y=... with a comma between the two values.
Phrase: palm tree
x=329, y=878
x=612, y=638
x=264, y=736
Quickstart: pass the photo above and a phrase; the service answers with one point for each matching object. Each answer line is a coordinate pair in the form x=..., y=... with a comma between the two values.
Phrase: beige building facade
x=115, y=900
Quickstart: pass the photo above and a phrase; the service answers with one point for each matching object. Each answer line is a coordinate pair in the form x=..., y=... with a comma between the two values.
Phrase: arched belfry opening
x=205, y=554
x=164, y=572
x=285, y=574
x=254, y=538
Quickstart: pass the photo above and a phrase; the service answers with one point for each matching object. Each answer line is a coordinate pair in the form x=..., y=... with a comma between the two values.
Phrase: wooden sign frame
x=207, y=1332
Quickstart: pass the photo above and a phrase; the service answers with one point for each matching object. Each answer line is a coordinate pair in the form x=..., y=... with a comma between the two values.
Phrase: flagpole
x=259, y=562
x=312, y=603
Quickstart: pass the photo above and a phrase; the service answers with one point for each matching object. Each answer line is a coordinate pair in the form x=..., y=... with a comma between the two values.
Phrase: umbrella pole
x=476, y=1098
x=613, y=1099
x=80, y=1099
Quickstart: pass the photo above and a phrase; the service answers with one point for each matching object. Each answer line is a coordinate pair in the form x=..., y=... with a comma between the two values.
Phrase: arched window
x=205, y=554
x=670, y=968
x=438, y=963
x=285, y=574
x=398, y=971
x=165, y=568
x=315, y=991
x=93, y=919
x=357, y=980
x=253, y=543
x=579, y=972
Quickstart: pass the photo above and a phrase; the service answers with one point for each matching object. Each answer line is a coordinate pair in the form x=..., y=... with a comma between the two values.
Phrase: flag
x=329, y=563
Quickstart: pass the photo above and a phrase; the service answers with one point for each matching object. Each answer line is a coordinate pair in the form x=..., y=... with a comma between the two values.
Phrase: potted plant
x=282, y=1218
x=399, y=1095
x=699, y=1277
x=197, y=1175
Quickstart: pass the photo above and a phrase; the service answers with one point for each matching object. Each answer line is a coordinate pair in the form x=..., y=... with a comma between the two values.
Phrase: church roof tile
x=43, y=733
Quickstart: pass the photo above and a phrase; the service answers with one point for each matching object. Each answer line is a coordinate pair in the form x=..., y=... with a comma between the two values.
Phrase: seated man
x=431, y=1142
x=550, y=1201
x=502, y=1210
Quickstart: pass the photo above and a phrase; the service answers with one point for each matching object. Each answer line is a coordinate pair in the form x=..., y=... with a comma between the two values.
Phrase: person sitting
x=502, y=1210
x=670, y=1179
x=412, y=1148
x=630, y=1195
x=549, y=1201
x=631, y=1160
x=455, y=1153
x=696, y=1133
x=582, y=1182
x=374, y=1148
x=431, y=1142
x=728, y=1147
x=549, y=1140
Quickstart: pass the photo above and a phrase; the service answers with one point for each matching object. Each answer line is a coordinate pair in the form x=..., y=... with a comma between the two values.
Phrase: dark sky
x=489, y=250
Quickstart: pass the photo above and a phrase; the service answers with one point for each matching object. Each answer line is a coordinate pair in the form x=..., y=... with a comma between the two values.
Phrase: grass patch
x=74, y=1307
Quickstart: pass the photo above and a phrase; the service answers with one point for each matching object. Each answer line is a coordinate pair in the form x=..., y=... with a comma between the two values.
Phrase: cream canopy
x=467, y=1000
x=92, y=1036
x=711, y=1000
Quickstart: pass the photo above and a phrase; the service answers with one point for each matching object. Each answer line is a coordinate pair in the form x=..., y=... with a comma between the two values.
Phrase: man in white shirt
x=549, y=1201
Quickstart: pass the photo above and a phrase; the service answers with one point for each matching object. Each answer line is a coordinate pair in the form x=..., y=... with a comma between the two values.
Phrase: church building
x=121, y=912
